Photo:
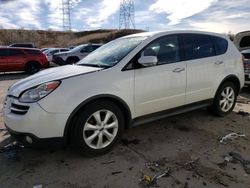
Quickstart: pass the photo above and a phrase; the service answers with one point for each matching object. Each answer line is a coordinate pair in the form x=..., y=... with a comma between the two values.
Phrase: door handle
x=178, y=70
x=218, y=62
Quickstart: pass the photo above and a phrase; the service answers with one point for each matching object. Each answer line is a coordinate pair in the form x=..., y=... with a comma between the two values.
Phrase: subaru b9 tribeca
x=129, y=81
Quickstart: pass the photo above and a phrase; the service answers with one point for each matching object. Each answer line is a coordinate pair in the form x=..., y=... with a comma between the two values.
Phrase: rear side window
x=198, y=46
x=220, y=44
x=3, y=52
x=33, y=52
x=14, y=52
x=64, y=50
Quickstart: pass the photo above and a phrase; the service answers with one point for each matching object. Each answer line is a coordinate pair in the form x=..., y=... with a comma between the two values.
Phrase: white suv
x=129, y=81
x=75, y=54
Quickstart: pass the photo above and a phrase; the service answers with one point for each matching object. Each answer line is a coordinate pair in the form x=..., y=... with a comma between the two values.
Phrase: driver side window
x=166, y=49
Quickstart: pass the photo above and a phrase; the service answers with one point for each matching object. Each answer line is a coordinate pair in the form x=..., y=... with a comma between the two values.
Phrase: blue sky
x=211, y=15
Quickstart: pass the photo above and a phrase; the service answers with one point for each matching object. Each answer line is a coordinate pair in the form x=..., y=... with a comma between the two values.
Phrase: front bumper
x=28, y=139
x=32, y=119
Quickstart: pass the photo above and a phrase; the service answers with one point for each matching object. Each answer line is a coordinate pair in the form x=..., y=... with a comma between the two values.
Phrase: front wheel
x=98, y=127
x=225, y=99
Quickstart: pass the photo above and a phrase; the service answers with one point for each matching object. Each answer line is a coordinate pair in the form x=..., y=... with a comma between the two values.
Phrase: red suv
x=19, y=59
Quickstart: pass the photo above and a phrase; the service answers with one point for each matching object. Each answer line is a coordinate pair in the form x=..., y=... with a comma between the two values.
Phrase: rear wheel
x=72, y=60
x=32, y=67
x=98, y=127
x=225, y=99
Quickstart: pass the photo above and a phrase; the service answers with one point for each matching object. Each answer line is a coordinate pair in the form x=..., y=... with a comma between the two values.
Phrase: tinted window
x=33, y=52
x=246, y=55
x=64, y=50
x=197, y=46
x=86, y=49
x=14, y=52
x=245, y=42
x=166, y=49
x=53, y=52
x=220, y=45
x=95, y=47
x=3, y=52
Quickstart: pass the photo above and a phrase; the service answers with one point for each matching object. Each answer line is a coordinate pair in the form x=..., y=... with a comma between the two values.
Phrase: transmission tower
x=127, y=15
x=66, y=8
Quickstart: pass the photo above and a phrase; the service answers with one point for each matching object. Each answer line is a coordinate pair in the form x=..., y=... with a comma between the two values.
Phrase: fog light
x=29, y=139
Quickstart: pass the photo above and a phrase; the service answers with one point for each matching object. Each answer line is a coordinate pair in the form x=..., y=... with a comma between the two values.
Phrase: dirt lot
x=187, y=146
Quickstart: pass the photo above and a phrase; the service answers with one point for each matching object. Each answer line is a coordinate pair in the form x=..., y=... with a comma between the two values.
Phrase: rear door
x=204, y=67
x=4, y=60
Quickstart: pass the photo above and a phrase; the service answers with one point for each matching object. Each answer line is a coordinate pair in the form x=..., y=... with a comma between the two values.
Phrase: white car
x=52, y=51
x=75, y=54
x=129, y=81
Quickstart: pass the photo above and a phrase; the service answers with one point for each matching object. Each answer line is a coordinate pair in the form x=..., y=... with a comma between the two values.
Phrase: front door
x=162, y=86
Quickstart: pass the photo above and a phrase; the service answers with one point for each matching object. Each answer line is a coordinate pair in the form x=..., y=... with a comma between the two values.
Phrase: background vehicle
x=75, y=54
x=51, y=51
x=246, y=54
x=44, y=49
x=22, y=59
x=129, y=81
x=23, y=45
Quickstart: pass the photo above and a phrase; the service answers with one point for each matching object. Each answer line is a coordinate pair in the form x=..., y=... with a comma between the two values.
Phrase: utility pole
x=127, y=15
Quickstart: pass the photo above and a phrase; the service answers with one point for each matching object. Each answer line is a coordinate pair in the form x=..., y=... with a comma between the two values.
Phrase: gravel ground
x=187, y=146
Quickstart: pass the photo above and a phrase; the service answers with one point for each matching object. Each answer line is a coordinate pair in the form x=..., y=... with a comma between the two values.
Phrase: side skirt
x=170, y=112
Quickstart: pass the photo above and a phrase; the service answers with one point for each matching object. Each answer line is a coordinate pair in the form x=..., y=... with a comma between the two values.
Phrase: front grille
x=19, y=109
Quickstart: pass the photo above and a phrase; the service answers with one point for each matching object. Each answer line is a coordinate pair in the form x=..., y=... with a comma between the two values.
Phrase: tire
x=89, y=135
x=227, y=93
x=72, y=60
x=32, y=67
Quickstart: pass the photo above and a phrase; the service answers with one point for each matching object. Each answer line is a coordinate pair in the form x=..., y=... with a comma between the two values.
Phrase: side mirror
x=148, y=61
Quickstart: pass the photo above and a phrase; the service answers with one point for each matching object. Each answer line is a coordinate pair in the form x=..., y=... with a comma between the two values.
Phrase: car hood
x=49, y=75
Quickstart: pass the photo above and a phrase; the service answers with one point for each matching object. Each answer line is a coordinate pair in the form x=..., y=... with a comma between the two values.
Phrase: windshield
x=78, y=48
x=111, y=53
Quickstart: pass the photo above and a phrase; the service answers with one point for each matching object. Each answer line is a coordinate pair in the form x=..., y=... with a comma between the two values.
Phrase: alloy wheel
x=227, y=99
x=100, y=129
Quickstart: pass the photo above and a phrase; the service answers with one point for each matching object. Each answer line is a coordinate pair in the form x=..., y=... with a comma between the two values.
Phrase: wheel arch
x=230, y=78
x=117, y=100
x=33, y=61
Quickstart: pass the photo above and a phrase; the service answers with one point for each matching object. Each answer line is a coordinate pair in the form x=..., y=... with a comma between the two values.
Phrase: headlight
x=41, y=91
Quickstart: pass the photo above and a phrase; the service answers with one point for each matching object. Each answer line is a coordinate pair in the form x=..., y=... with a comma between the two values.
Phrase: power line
x=127, y=15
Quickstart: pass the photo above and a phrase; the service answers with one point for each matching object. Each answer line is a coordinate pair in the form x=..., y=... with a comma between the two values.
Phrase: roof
x=20, y=48
x=160, y=33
